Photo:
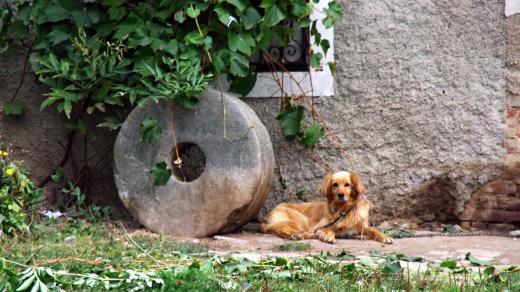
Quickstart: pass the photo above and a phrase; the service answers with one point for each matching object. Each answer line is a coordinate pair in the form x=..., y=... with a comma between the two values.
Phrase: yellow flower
x=9, y=171
x=5, y=154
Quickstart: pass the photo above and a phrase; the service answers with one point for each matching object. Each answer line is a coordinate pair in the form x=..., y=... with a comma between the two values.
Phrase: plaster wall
x=420, y=105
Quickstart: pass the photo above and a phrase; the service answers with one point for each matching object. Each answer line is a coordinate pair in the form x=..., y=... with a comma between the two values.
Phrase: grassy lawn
x=77, y=255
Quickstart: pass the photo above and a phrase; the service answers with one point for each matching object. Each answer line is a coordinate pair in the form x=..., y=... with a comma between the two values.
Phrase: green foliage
x=18, y=196
x=474, y=261
x=293, y=246
x=160, y=173
x=108, y=56
x=150, y=130
x=91, y=212
x=312, y=135
x=291, y=121
x=104, y=257
x=58, y=174
x=15, y=107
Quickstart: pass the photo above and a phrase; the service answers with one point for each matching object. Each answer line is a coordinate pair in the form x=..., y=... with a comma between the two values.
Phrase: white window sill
x=320, y=81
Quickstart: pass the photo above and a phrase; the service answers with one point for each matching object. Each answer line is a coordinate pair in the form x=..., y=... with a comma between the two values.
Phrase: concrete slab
x=499, y=250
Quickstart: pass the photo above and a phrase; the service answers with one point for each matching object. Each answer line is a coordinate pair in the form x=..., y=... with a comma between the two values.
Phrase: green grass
x=81, y=256
x=293, y=246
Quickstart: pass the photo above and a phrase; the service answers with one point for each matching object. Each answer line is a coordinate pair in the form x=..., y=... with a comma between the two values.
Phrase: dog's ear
x=359, y=188
x=325, y=185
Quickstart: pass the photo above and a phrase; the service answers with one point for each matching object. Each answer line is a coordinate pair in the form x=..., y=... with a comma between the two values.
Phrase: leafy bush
x=108, y=56
x=18, y=195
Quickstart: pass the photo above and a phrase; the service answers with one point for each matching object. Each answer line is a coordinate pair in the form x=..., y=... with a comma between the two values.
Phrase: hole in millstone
x=193, y=161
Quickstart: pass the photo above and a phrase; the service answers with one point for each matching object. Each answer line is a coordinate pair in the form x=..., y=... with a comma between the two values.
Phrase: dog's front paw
x=296, y=237
x=386, y=240
x=326, y=236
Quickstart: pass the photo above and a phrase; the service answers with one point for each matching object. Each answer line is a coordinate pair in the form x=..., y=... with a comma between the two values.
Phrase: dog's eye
x=347, y=185
x=335, y=185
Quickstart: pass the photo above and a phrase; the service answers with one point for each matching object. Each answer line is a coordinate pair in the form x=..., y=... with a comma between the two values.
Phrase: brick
x=477, y=225
x=512, y=112
x=501, y=226
x=466, y=225
x=512, y=99
x=511, y=145
x=503, y=187
x=508, y=203
x=499, y=216
x=513, y=40
x=512, y=77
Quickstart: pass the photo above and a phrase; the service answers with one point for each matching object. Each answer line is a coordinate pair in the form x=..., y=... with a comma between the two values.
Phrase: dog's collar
x=341, y=215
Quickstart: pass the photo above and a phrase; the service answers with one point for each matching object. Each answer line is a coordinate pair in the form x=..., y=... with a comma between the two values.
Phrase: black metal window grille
x=294, y=56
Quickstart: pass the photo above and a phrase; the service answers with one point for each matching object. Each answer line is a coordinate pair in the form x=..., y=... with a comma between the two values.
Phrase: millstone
x=223, y=182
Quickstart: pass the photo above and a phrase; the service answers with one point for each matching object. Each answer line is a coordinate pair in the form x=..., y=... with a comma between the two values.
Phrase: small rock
x=453, y=229
x=52, y=214
x=70, y=238
x=515, y=233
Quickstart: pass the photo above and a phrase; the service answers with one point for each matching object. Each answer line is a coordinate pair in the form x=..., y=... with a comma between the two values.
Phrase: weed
x=103, y=256
x=293, y=246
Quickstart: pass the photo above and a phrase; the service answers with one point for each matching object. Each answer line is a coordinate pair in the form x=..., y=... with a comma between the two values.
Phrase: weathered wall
x=420, y=107
x=40, y=137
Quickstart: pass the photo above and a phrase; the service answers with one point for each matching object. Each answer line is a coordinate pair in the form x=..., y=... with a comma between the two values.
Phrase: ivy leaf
x=473, y=260
x=290, y=121
x=267, y=3
x=223, y=14
x=333, y=14
x=14, y=108
x=18, y=29
x=449, y=263
x=325, y=46
x=251, y=18
x=243, y=85
x=315, y=33
x=300, y=8
x=242, y=41
x=58, y=34
x=394, y=267
x=150, y=130
x=124, y=29
x=273, y=16
x=179, y=16
x=194, y=37
x=193, y=12
x=312, y=135
x=316, y=60
x=332, y=68
x=238, y=64
x=239, y=4
x=58, y=174
x=56, y=13
x=116, y=13
x=221, y=60
x=160, y=173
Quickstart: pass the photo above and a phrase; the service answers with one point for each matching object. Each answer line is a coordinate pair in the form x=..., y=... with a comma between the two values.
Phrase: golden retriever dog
x=345, y=211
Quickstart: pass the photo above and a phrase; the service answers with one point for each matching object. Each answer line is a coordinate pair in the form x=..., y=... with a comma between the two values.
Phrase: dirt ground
x=498, y=250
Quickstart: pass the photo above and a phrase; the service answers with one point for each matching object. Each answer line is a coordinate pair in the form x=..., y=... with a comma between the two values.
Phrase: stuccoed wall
x=39, y=137
x=420, y=107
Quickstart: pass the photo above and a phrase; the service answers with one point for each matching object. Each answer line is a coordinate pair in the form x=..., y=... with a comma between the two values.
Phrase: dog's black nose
x=341, y=195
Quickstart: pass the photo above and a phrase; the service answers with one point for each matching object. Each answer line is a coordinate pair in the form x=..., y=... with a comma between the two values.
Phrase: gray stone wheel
x=228, y=179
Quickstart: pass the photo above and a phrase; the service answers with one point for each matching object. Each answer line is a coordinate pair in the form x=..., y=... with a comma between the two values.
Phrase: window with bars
x=295, y=58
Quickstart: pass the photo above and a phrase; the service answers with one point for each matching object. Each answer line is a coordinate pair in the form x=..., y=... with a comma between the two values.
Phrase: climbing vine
x=108, y=56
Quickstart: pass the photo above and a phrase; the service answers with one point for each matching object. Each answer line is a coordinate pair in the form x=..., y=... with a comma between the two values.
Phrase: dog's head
x=341, y=188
